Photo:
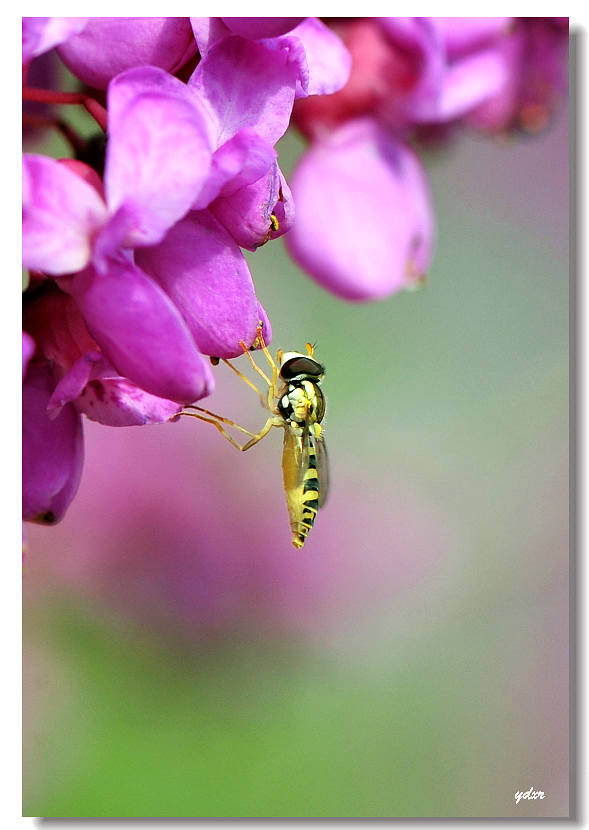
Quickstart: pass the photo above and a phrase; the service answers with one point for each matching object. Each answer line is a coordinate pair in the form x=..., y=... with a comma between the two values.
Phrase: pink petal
x=61, y=215
x=468, y=82
x=364, y=224
x=239, y=162
x=284, y=209
x=141, y=332
x=327, y=59
x=53, y=450
x=256, y=28
x=85, y=368
x=249, y=213
x=158, y=159
x=246, y=84
x=110, y=45
x=120, y=403
x=418, y=95
x=207, y=32
x=39, y=34
x=463, y=34
x=206, y=276
x=144, y=80
x=99, y=392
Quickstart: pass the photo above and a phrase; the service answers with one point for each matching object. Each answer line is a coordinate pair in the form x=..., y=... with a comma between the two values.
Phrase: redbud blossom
x=53, y=450
x=364, y=223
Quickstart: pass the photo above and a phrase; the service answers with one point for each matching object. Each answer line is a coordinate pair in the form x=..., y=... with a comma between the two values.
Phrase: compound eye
x=301, y=366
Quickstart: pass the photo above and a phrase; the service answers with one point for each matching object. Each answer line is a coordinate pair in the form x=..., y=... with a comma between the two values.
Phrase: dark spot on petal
x=48, y=518
x=98, y=388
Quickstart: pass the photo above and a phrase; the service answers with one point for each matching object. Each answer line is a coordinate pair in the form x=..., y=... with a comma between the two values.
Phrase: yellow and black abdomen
x=301, y=485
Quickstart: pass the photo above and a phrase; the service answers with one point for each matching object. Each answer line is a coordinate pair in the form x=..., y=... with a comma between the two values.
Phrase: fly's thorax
x=301, y=402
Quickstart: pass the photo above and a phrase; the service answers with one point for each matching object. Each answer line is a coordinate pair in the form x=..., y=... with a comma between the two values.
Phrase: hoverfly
x=297, y=405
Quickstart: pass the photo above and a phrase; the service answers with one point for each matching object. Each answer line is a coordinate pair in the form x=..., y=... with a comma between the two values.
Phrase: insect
x=297, y=405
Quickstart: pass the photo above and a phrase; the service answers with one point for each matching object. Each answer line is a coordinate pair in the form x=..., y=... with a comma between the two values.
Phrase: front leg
x=216, y=419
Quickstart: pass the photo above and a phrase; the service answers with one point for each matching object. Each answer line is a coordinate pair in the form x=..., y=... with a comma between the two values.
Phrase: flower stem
x=53, y=96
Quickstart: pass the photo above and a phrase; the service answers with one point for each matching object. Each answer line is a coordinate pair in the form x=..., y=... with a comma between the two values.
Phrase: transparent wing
x=322, y=469
x=318, y=444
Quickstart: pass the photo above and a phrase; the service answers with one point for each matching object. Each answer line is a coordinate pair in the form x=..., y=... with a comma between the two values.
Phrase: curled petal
x=256, y=28
x=39, y=34
x=141, y=332
x=61, y=215
x=255, y=213
x=420, y=82
x=467, y=83
x=327, y=61
x=110, y=45
x=207, y=32
x=364, y=224
x=158, y=159
x=117, y=402
x=86, y=368
x=53, y=450
x=246, y=84
x=455, y=70
x=239, y=162
x=284, y=209
x=97, y=390
x=206, y=276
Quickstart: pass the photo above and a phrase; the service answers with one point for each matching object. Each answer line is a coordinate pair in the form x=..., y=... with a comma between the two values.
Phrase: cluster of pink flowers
x=137, y=273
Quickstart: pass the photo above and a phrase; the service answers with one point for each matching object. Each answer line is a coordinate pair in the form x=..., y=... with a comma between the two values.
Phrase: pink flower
x=53, y=450
x=364, y=224
x=148, y=260
x=145, y=251
x=364, y=219
x=83, y=375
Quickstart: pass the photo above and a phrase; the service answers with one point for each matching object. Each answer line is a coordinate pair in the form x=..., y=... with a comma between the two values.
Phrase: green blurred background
x=182, y=659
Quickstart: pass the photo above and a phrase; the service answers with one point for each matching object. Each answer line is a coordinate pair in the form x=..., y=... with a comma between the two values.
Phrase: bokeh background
x=182, y=659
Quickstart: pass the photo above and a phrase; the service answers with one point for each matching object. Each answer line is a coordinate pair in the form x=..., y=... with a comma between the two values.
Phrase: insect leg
x=245, y=380
x=273, y=421
x=267, y=354
x=254, y=364
x=254, y=439
x=219, y=418
x=217, y=425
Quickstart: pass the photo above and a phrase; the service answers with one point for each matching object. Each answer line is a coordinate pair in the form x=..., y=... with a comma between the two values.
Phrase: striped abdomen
x=301, y=487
